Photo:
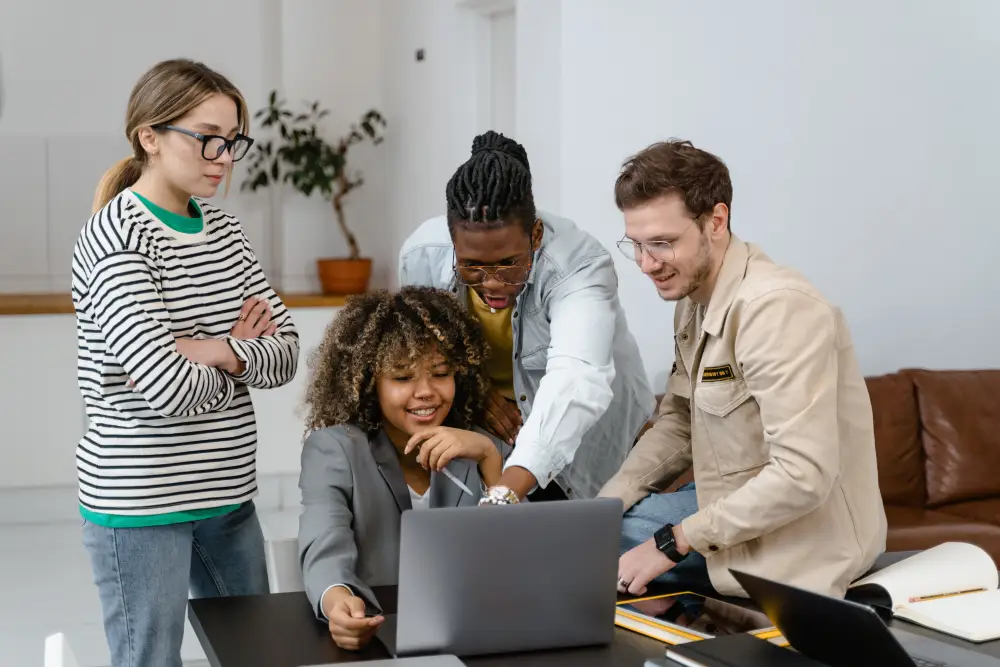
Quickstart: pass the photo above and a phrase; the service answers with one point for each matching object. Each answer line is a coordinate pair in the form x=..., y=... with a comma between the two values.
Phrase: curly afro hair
x=377, y=332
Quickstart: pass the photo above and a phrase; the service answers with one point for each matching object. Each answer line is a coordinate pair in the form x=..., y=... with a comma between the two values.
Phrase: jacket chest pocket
x=729, y=419
x=535, y=339
x=536, y=361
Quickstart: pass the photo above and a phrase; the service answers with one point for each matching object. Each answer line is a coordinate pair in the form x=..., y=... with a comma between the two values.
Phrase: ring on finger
x=624, y=584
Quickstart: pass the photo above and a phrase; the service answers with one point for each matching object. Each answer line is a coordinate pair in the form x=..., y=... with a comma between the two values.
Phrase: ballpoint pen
x=450, y=475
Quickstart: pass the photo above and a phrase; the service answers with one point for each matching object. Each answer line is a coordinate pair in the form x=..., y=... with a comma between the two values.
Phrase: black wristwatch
x=665, y=542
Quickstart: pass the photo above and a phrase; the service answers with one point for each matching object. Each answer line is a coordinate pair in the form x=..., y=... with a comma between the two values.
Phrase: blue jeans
x=143, y=576
x=649, y=515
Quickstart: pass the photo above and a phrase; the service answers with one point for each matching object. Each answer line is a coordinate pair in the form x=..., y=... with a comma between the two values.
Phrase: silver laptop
x=499, y=579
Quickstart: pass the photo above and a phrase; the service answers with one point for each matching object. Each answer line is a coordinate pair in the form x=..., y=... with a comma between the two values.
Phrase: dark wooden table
x=989, y=648
x=281, y=631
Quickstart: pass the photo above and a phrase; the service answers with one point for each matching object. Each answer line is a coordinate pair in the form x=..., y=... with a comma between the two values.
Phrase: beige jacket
x=779, y=433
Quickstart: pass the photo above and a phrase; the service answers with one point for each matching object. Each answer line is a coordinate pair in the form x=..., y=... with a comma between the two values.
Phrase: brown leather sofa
x=937, y=436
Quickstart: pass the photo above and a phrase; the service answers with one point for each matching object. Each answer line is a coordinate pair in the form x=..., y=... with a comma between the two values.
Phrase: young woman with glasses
x=569, y=389
x=176, y=322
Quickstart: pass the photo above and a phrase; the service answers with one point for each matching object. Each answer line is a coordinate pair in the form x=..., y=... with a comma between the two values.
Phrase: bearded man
x=765, y=401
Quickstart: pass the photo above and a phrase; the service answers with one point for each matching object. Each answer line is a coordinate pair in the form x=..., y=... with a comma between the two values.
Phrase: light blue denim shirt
x=579, y=380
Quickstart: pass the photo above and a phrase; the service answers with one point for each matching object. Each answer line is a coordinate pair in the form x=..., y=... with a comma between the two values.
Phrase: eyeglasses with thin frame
x=659, y=251
x=213, y=145
x=473, y=276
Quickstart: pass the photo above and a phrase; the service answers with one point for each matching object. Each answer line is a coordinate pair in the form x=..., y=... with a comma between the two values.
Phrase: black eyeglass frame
x=227, y=144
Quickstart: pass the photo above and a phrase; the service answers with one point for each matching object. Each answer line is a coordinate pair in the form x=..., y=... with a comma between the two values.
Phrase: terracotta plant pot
x=344, y=276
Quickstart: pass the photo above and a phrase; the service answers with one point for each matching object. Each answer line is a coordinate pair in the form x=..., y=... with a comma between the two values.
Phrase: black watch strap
x=665, y=542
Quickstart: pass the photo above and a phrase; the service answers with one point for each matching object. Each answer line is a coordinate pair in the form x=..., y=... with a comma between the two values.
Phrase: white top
x=184, y=436
x=420, y=502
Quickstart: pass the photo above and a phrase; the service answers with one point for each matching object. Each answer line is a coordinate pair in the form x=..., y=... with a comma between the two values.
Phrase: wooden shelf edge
x=36, y=304
x=314, y=300
x=62, y=304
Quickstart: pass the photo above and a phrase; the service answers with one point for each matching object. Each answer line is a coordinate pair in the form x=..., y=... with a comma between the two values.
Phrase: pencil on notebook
x=945, y=595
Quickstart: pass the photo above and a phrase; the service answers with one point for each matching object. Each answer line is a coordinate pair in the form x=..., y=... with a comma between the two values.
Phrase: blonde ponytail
x=124, y=174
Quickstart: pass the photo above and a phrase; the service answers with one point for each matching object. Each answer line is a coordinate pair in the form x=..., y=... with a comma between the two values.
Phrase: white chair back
x=58, y=652
x=283, y=568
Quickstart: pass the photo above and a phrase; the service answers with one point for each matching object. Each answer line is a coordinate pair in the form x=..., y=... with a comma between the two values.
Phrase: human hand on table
x=349, y=627
x=640, y=565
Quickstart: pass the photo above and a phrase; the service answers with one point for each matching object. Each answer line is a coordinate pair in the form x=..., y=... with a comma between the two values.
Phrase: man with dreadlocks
x=569, y=388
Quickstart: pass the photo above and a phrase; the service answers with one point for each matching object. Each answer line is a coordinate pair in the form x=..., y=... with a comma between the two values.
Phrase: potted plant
x=310, y=164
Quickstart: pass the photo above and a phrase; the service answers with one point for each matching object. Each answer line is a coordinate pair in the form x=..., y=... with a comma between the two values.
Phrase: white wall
x=862, y=140
x=68, y=68
x=503, y=72
x=438, y=105
x=67, y=71
x=539, y=95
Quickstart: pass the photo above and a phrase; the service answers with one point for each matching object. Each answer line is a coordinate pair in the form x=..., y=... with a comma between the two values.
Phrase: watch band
x=499, y=495
x=667, y=544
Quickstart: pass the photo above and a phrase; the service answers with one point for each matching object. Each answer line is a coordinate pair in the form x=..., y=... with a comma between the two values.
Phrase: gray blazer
x=353, y=498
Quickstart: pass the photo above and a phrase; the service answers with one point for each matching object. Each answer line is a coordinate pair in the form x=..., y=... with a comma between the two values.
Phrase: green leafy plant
x=302, y=158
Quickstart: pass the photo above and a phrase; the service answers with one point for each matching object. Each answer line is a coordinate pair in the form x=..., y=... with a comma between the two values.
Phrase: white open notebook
x=951, y=588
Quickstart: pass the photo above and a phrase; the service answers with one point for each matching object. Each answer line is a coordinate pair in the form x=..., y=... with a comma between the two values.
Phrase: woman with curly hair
x=397, y=385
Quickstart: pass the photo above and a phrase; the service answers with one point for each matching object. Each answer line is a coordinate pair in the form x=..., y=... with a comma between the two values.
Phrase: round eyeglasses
x=213, y=145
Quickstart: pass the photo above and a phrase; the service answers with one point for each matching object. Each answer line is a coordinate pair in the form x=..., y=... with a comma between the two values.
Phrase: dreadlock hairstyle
x=493, y=187
x=379, y=331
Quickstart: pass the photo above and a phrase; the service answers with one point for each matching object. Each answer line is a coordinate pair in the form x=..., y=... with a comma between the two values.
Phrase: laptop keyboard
x=922, y=662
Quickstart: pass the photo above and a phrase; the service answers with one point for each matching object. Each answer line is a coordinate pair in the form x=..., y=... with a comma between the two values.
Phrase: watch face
x=665, y=537
x=667, y=545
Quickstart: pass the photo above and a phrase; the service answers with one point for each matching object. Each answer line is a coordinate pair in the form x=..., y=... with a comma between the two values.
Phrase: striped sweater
x=184, y=436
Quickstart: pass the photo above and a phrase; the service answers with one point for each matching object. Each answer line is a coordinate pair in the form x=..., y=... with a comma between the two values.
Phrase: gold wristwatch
x=499, y=495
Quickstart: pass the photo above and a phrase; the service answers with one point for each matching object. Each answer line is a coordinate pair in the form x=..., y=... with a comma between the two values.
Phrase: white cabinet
x=280, y=420
x=40, y=405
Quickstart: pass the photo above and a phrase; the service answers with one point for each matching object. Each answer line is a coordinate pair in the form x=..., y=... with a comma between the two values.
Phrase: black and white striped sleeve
x=270, y=361
x=125, y=303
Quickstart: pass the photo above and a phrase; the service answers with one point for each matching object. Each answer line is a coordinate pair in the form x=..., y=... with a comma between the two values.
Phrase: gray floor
x=46, y=584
